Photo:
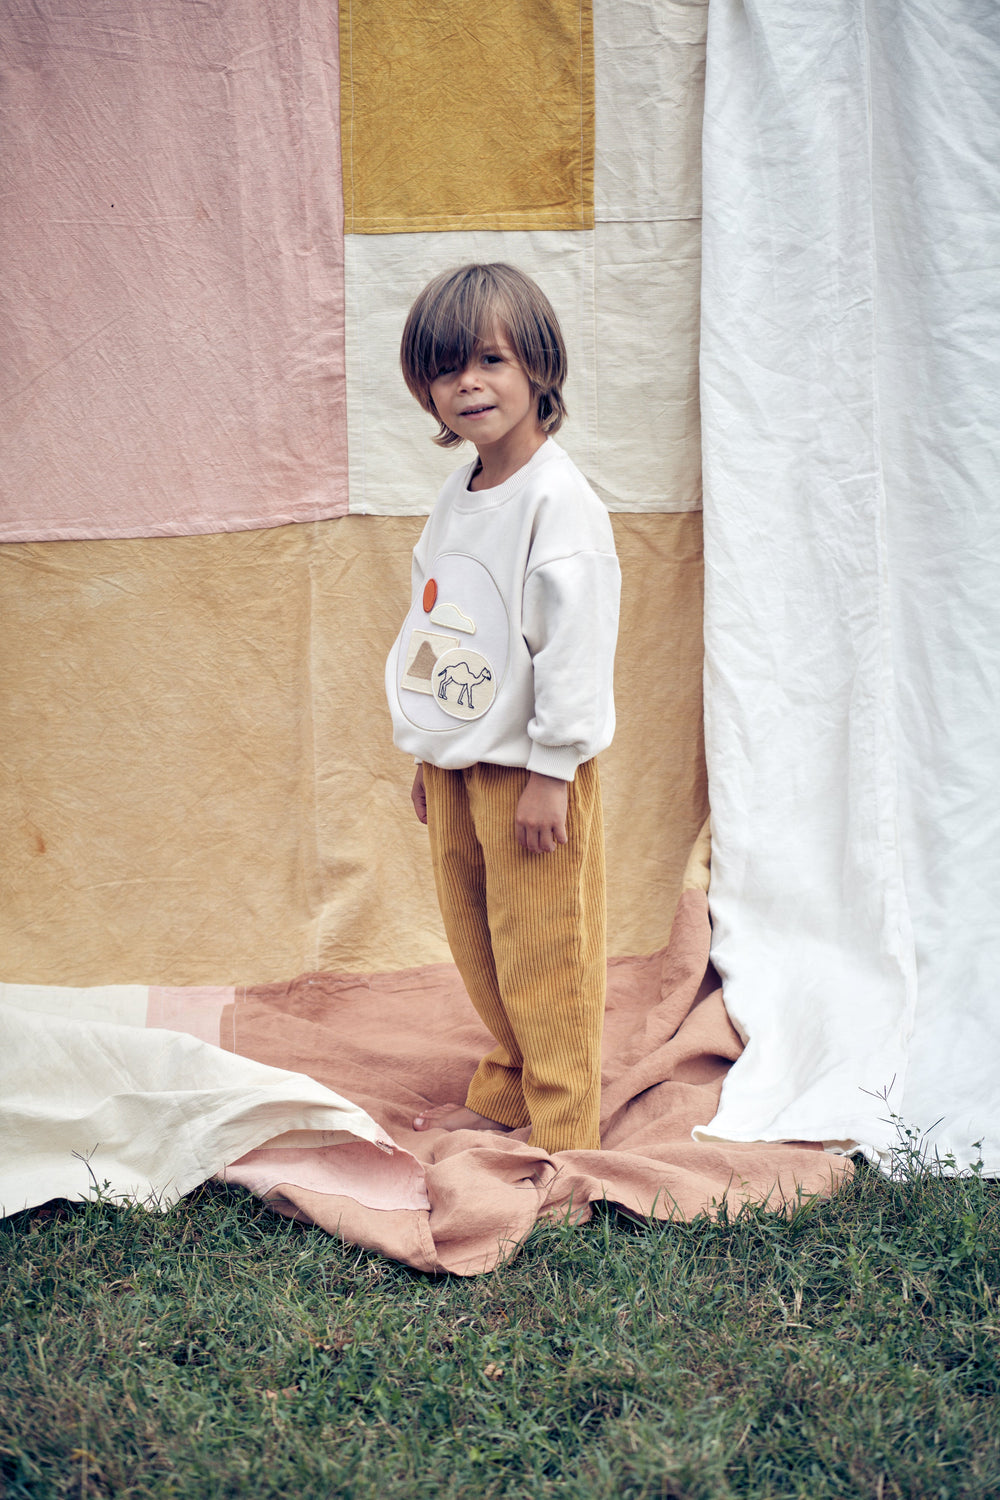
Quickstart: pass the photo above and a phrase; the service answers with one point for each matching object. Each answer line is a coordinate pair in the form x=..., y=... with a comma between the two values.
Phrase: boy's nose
x=469, y=376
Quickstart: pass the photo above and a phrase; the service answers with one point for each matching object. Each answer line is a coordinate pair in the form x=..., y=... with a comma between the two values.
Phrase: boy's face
x=491, y=400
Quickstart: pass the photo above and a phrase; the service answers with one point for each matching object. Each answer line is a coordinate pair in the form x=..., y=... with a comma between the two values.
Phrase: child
x=500, y=685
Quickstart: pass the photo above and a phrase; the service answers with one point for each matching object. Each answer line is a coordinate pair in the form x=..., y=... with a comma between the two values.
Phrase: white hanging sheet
x=850, y=376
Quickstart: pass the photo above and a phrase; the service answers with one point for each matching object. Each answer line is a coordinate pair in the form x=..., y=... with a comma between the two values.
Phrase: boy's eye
x=445, y=370
x=492, y=359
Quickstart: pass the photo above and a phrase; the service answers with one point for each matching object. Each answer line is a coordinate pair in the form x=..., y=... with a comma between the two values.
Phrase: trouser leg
x=460, y=877
x=545, y=925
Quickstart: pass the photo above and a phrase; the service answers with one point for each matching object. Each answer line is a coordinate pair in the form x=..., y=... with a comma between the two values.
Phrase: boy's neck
x=498, y=461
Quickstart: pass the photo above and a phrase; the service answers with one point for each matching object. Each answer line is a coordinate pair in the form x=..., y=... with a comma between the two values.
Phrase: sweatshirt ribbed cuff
x=554, y=760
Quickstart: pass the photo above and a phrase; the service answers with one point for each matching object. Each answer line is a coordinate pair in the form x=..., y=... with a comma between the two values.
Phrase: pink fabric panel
x=196, y=1009
x=352, y=1169
x=171, y=309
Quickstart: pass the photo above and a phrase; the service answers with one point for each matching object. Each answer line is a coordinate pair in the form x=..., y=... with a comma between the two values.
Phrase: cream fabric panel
x=149, y=1115
x=200, y=785
x=650, y=78
x=111, y=1004
x=627, y=298
x=394, y=467
x=648, y=431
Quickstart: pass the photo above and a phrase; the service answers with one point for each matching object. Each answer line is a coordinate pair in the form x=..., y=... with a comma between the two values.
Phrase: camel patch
x=421, y=658
x=463, y=683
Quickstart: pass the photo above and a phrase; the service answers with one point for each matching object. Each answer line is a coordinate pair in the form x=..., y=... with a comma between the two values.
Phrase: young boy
x=500, y=686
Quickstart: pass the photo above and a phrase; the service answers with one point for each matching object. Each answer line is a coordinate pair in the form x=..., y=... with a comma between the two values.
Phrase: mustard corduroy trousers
x=527, y=932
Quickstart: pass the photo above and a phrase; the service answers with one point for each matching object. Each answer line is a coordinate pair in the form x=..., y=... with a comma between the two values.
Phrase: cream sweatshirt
x=507, y=652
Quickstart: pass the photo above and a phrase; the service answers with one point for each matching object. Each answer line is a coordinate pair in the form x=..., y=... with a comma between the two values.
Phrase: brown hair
x=459, y=311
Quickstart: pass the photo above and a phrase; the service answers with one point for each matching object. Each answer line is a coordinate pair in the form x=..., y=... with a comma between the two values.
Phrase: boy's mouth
x=473, y=411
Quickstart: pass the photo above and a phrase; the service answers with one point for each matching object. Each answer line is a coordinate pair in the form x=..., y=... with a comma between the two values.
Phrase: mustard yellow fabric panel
x=198, y=783
x=460, y=119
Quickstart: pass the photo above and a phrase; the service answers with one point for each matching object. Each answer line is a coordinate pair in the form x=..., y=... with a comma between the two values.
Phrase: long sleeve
x=570, y=624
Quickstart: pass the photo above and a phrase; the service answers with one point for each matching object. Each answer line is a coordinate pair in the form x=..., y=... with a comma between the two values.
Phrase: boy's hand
x=541, y=814
x=418, y=796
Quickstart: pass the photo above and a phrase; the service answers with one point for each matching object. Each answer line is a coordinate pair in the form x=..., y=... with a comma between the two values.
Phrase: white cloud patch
x=452, y=618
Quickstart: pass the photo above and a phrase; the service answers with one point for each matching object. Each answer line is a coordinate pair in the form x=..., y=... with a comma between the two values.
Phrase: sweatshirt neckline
x=487, y=499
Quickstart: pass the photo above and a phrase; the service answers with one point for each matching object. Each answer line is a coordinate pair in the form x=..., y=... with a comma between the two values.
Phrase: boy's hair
x=461, y=310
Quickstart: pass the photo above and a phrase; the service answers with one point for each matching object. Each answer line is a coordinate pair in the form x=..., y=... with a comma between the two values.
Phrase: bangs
x=468, y=315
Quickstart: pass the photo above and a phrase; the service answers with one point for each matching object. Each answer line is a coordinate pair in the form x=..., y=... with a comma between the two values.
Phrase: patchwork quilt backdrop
x=215, y=479
x=214, y=224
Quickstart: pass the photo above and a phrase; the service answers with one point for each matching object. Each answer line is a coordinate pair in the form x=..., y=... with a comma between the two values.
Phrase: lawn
x=217, y=1350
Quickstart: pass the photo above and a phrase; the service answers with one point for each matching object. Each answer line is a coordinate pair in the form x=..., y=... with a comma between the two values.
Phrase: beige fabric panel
x=381, y=910
x=653, y=775
x=198, y=784
x=156, y=773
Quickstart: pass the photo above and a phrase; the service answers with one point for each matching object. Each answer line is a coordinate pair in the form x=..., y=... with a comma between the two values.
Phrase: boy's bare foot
x=454, y=1117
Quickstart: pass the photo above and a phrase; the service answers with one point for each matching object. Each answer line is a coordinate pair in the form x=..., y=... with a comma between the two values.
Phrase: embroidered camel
x=462, y=677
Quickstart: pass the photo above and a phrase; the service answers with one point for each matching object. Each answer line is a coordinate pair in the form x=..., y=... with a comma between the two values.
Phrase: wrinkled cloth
x=390, y=1044
x=850, y=364
x=145, y=1115
x=395, y=1043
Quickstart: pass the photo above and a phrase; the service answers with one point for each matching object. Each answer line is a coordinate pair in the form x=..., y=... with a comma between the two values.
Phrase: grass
x=218, y=1350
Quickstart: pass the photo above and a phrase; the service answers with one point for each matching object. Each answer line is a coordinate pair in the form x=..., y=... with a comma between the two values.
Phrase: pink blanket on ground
x=393, y=1043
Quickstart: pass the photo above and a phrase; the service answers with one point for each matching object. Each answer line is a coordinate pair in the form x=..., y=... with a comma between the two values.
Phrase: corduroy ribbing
x=527, y=932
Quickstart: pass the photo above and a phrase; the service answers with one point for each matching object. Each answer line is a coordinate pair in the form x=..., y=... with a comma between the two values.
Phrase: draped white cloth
x=850, y=385
x=93, y=1101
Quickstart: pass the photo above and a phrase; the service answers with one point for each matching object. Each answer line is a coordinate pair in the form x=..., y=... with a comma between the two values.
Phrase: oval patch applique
x=468, y=612
x=430, y=595
x=463, y=683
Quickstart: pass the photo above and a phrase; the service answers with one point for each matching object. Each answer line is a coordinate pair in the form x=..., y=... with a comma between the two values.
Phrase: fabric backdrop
x=850, y=369
x=198, y=783
x=213, y=477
